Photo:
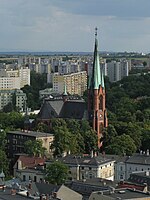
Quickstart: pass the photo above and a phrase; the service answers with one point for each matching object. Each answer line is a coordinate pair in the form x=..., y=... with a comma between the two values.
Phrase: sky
x=68, y=25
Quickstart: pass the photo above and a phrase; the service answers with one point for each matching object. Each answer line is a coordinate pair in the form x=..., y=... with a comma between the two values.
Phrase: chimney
x=41, y=197
x=69, y=152
x=147, y=152
x=146, y=173
x=30, y=186
x=55, y=195
x=92, y=154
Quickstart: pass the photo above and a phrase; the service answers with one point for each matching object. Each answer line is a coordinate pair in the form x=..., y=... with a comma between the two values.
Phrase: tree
x=89, y=136
x=145, y=140
x=109, y=135
x=8, y=108
x=34, y=148
x=144, y=63
x=4, y=164
x=41, y=127
x=122, y=145
x=3, y=158
x=56, y=173
x=62, y=140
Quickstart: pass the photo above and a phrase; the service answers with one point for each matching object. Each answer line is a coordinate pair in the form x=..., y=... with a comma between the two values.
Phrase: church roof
x=96, y=68
x=74, y=108
x=97, y=78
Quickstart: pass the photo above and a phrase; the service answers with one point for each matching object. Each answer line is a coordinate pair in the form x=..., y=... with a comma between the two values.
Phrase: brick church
x=74, y=107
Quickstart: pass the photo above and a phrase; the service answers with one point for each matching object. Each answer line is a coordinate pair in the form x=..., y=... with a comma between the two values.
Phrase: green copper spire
x=103, y=85
x=97, y=79
x=65, y=89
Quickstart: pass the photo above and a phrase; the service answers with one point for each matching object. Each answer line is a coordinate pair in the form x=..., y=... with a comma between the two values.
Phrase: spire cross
x=96, y=31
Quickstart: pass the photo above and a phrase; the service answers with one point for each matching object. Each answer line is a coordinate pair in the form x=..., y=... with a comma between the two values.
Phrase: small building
x=29, y=168
x=138, y=162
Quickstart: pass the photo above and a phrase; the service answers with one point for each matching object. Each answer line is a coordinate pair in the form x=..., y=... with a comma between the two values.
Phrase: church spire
x=96, y=97
x=103, y=84
x=97, y=79
x=65, y=89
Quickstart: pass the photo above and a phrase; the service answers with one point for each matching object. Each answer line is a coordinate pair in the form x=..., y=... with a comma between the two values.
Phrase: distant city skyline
x=69, y=25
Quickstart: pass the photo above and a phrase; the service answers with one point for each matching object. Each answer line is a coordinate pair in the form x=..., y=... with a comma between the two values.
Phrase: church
x=74, y=107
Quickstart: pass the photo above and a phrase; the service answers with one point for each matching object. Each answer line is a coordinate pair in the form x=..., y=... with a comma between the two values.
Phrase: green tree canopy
x=57, y=173
x=122, y=145
x=34, y=148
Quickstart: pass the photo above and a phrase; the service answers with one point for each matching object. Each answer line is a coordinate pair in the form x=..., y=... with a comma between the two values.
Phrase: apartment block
x=76, y=83
x=14, y=79
x=8, y=96
x=116, y=70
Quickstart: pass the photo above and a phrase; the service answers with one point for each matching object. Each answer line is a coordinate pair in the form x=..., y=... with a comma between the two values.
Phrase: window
x=121, y=177
x=24, y=178
x=101, y=102
x=35, y=178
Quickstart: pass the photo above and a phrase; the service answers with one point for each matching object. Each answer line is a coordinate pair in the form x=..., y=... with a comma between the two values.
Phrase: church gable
x=50, y=109
x=73, y=110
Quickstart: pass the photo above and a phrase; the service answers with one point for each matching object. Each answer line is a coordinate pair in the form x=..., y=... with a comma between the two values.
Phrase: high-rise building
x=76, y=83
x=117, y=70
x=96, y=97
x=14, y=79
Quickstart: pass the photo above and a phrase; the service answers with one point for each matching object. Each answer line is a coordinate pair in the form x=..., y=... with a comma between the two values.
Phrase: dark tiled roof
x=126, y=194
x=117, y=158
x=139, y=159
x=50, y=108
x=140, y=178
x=84, y=161
x=73, y=109
x=44, y=188
x=85, y=189
x=31, y=133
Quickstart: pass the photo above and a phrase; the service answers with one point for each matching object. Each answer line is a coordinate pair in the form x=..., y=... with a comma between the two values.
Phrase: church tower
x=96, y=96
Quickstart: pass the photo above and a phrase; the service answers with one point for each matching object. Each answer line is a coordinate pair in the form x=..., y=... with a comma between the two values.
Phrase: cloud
x=68, y=25
x=119, y=8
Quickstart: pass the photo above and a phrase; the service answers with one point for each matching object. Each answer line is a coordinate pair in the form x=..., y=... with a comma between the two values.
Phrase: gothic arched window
x=101, y=102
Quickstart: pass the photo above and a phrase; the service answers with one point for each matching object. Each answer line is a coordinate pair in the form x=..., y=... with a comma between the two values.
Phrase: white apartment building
x=24, y=74
x=116, y=70
x=9, y=82
x=14, y=79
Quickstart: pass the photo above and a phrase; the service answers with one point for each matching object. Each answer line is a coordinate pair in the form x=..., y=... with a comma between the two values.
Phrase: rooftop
x=31, y=133
x=83, y=160
x=120, y=194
